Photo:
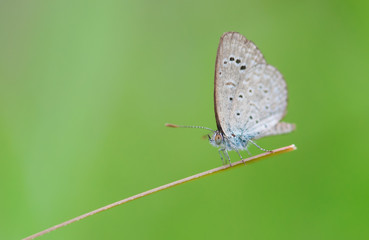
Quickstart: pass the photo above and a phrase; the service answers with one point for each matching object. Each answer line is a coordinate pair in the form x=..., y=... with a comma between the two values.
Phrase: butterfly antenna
x=179, y=126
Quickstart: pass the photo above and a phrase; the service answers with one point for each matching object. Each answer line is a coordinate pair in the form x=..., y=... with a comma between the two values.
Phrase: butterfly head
x=217, y=139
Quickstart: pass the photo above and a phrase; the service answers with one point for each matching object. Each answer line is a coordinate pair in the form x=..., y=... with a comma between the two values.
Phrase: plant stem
x=169, y=185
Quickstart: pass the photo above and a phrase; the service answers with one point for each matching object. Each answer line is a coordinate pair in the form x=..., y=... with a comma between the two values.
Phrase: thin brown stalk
x=169, y=185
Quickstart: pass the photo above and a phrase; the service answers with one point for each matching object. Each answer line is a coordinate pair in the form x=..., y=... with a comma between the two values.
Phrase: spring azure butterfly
x=250, y=96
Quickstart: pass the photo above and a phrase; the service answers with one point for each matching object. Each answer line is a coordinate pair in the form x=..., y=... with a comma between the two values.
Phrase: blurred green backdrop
x=85, y=90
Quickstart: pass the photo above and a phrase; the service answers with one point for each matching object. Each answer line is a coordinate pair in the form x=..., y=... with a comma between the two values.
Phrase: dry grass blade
x=172, y=184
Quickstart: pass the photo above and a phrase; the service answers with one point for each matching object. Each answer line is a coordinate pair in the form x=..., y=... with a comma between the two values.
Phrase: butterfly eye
x=218, y=139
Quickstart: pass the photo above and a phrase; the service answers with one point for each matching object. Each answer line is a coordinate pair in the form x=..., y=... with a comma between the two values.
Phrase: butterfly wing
x=262, y=101
x=250, y=96
x=279, y=128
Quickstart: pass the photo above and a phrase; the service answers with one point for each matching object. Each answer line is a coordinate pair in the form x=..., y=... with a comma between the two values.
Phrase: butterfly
x=250, y=97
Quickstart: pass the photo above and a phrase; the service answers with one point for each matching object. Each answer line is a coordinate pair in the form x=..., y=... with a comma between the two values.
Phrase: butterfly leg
x=220, y=154
x=239, y=154
x=262, y=149
x=229, y=160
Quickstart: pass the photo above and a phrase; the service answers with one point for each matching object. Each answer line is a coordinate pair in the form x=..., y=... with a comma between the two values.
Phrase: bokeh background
x=85, y=90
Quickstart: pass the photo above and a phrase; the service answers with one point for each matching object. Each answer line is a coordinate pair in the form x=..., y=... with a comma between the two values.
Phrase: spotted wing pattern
x=250, y=96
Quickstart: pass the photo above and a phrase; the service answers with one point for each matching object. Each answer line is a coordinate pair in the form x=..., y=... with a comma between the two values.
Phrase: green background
x=85, y=90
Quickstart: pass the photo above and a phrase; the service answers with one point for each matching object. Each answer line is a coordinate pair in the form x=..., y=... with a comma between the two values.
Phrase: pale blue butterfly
x=250, y=96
